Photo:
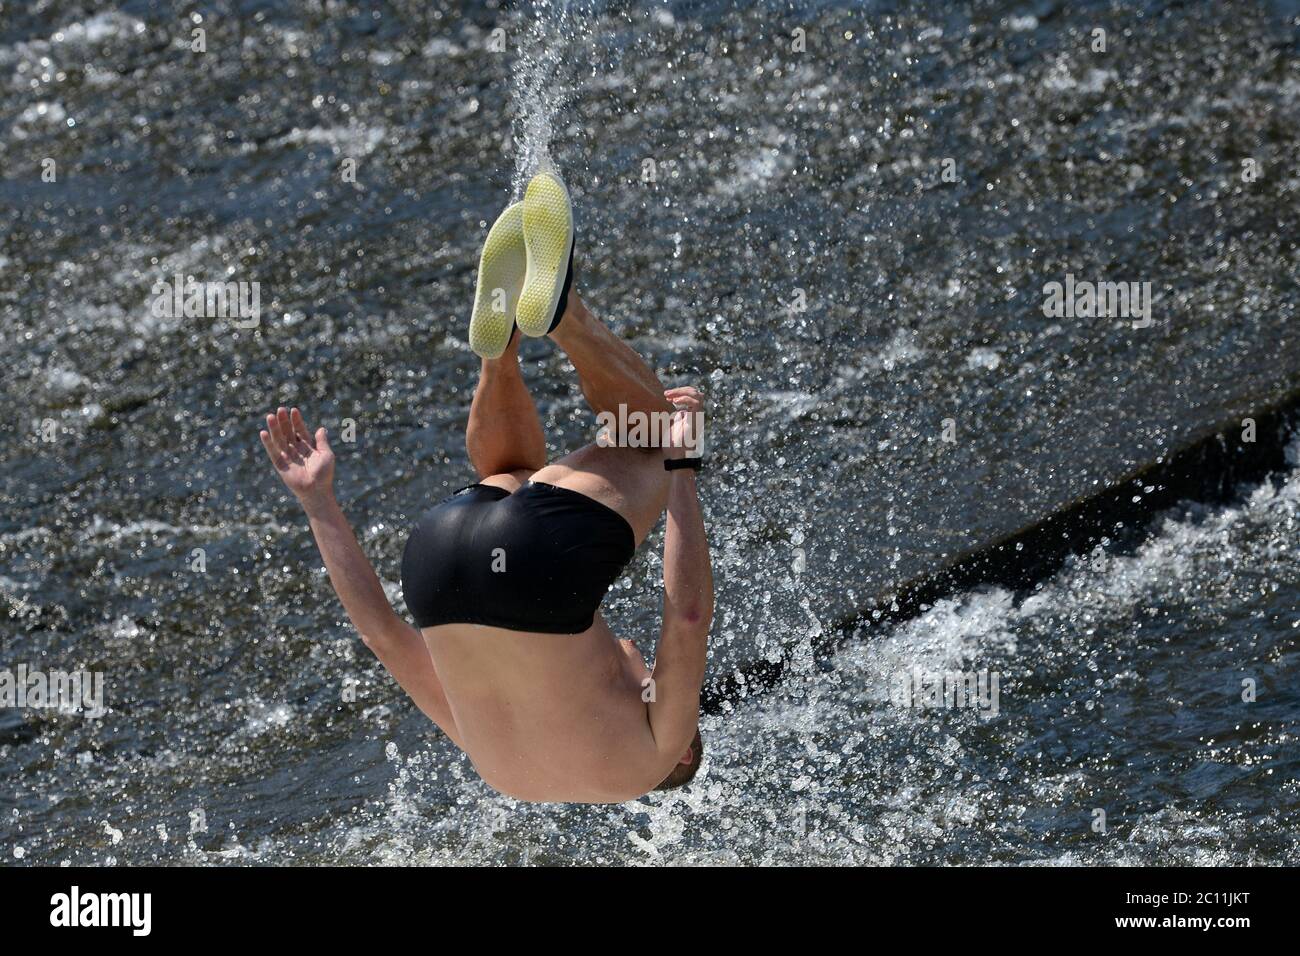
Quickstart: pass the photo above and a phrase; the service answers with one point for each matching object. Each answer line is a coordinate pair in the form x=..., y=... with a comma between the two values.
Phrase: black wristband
x=673, y=464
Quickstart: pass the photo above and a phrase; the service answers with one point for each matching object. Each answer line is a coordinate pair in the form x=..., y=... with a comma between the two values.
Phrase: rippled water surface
x=772, y=224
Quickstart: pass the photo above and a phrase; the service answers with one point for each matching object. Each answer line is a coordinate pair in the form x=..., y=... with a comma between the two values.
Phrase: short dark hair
x=684, y=773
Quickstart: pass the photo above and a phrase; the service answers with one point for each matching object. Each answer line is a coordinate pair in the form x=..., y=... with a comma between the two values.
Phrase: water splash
x=550, y=48
x=776, y=171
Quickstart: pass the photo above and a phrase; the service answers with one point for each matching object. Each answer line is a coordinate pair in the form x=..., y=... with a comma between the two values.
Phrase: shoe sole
x=548, y=242
x=502, y=267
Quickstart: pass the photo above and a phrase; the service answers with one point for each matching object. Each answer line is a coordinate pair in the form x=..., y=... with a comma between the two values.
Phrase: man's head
x=684, y=772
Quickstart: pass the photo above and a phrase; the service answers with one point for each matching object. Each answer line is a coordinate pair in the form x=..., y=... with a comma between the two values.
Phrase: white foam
x=64, y=380
x=264, y=717
x=901, y=349
x=757, y=169
x=988, y=359
x=34, y=60
x=102, y=26
x=354, y=140
x=1059, y=79
x=45, y=114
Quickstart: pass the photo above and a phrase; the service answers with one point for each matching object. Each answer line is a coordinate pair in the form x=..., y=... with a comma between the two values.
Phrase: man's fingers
x=278, y=426
x=323, y=438
x=273, y=426
x=290, y=441
x=300, y=429
x=282, y=443
x=272, y=452
x=685, y=395
x=302, y=440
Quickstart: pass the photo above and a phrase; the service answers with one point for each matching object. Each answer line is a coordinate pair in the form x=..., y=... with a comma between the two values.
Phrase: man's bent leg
x=632, y=481
x=611, y=373
x=504, y=433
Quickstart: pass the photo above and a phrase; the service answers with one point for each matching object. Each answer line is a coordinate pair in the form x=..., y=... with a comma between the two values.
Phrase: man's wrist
x=319, y=506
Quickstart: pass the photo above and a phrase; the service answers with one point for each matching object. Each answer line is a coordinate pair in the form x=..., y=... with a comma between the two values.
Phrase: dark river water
x=839, y=219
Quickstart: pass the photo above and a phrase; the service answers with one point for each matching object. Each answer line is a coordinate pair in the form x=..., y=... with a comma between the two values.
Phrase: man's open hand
x=304, y=461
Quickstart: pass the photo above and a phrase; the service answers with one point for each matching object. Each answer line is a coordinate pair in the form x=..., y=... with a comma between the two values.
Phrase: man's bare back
x=549, y=717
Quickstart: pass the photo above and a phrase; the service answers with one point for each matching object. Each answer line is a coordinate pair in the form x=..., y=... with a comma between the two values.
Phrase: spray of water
x=554, y=42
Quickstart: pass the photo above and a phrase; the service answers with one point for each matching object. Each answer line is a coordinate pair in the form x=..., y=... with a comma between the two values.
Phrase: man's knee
x=635, y=430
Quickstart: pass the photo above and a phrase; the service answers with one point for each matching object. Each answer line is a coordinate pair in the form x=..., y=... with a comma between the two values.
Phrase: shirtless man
x=512, y=658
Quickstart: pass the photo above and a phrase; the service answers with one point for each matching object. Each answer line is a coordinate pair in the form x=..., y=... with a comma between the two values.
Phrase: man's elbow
x=694, y=618
x=379, y=640
x=385, y=631
x=698, y=617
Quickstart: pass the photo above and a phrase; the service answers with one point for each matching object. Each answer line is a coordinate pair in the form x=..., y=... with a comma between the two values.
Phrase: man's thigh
x=632, y=481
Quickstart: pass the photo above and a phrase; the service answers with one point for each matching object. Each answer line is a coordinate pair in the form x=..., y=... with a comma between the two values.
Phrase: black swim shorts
x=540, y=559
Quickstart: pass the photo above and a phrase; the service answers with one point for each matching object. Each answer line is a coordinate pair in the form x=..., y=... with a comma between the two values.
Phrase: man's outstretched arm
x=398, y=645
x=305, y=463
x=688, y=610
